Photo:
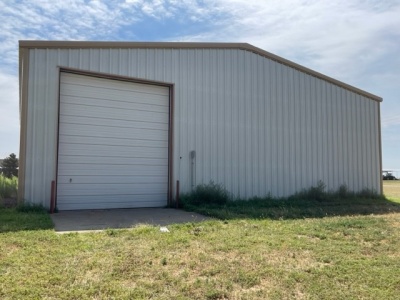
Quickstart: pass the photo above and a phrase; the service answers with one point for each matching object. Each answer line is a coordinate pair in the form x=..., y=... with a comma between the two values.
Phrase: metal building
x=117, y=124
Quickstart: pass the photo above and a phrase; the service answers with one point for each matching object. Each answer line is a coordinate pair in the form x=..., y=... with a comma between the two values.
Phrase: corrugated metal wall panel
x=257, y=126
x=41, y=126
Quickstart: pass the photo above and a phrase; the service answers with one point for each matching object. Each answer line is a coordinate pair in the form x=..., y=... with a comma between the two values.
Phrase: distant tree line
x=9, y=166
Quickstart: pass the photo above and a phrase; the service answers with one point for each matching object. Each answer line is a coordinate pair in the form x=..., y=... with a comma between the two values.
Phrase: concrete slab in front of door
x=93, y=220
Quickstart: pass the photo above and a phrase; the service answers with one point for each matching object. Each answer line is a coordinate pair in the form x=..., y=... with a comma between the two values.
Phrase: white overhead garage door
x=113, y=144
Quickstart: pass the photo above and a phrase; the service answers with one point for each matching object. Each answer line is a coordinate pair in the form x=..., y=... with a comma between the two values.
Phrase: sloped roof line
x=31, y=44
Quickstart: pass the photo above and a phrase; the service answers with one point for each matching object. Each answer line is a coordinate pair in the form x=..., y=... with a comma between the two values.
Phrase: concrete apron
x=95, y=220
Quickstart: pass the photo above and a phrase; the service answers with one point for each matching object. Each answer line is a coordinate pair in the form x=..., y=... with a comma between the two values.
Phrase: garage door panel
x=107, y=141
x=112, y=113
x=142, y=152
x=113, y=99
x=104, y=199
x=110, y=141
x=131, y=172
x=104, y=125
x=76, y=189
x=113, y=144
x=112, y=132
x=103, y=168
x=107, y=179
x=107, y=202
x=112, y=85
x=112, y=160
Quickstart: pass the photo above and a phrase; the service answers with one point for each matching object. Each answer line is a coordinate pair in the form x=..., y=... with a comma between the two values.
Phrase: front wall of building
x=256, y=126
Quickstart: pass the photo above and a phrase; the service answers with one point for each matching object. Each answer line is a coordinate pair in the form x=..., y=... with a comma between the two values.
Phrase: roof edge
x=191, y=45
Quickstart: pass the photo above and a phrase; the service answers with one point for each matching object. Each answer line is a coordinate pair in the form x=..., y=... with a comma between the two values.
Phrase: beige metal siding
x=41, y=134
x=257, y=126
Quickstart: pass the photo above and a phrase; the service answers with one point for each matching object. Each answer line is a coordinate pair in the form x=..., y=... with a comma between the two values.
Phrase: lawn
x=391, y=189
x=337, y=256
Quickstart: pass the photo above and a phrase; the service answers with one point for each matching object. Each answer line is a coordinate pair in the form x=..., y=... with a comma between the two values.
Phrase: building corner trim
x=23, y=107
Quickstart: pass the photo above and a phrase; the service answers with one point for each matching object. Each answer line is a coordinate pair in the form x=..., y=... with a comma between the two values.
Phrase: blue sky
x=355, y=41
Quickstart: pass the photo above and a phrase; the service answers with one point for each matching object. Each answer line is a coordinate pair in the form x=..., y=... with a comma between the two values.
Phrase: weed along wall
x=117, y=124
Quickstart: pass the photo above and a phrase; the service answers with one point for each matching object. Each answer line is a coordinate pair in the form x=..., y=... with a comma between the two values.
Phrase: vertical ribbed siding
x=257, y=126
x=41, y=126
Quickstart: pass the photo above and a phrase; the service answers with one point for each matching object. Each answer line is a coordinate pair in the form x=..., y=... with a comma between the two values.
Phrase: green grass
x=24, y=218
x=314, y=202
x=330, y=258
x=8, y=187
x=334, y=257
x=391, y=189
x=294, y=209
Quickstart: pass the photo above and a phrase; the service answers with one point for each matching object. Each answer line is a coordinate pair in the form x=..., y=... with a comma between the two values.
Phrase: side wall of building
x=256, y=125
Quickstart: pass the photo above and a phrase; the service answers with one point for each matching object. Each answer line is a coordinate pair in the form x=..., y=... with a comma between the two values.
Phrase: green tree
x=9, y=166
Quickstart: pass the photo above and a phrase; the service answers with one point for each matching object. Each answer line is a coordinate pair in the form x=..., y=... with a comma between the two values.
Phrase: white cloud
x=390, y=120
x=330, y=36
x=9, y=102
x=9, y=114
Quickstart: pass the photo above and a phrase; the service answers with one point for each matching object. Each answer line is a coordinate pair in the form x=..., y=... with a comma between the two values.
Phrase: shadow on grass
x=296, y=209
x=23, y=218
x=314, y=202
